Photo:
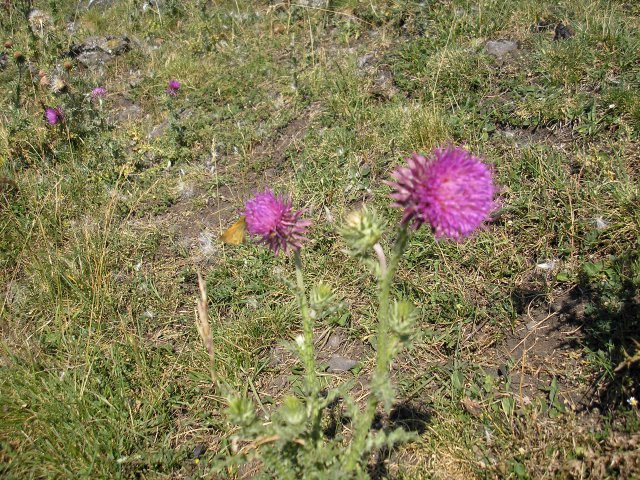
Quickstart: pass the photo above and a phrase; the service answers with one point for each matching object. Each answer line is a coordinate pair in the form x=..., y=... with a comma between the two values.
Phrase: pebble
x=499, y=48
x=341, y=364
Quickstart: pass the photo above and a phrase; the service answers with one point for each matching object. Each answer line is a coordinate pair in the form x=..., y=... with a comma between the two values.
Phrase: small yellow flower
x=633, y=402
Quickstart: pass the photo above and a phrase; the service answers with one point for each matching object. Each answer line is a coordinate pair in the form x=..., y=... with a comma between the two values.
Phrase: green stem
x=18, y=86
x=308, y=356
x=383, y=355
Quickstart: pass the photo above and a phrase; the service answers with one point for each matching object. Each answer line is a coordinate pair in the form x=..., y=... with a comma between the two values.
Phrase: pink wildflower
x=53, y=115
x=272, y=219
x=173, y=87
x=453, y=192
x=98, y=92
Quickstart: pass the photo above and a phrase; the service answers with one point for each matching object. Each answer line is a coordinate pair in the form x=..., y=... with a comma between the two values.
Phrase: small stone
x=335, y=340
x=365, y=60
x=100, y=4
x=130, y=112
x=383, y=85
x=95, y=51
x=341, y=364
x=472, y=406
x=313, y=3
x=93, y=58
x=548, y=265
x=158, y=130
x=542, y=25
x=563, y=32
x=601, y=223
x=499, y=48
x=199, y=450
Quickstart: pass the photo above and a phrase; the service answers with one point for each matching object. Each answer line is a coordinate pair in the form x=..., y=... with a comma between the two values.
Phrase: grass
x=102, y=373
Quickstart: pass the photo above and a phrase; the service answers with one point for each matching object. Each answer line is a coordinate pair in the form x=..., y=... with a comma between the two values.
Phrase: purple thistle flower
x=98, y=92
x=53, y=115
x=453, y=192
x=173, y=87
x=271, y=218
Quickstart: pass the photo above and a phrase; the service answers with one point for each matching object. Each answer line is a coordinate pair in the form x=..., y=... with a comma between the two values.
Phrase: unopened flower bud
x=58, y=85
x=67, y=65
x=320, y=296
x=8, y=44
x=402, y=320
x=241, y=411
x=19, y=57
x=362, y=231
x=293, y=411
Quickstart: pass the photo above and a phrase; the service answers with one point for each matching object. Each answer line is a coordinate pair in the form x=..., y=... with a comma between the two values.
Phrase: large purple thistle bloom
x=53, y=115
x=452, y=191
x=98, y=92
x=271, y=218
x=173, y=87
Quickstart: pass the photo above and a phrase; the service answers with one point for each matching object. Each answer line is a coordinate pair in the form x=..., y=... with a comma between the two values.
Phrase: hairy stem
x=308, y=356
x=383, y=353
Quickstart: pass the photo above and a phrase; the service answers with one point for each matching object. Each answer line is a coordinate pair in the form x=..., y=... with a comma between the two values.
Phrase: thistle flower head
x=57, y=85
x=53, y=115
x=98, y=92
x=452, y=191
x=173, y=87
x=271, y=218
x=362, y=230
x=39, y=22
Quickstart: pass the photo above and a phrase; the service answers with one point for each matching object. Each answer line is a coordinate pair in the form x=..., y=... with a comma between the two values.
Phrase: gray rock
x=383, y=84
x=96, y=51
x=93, y=58
x=158, y=130
x=499, y=48
x=151, y=5
x=100, y=3
x=130, y=112
x=313, y=3
x=365, y=60
x=563, y=32
x=335, y=340
x=126, y=109
x=341, y=364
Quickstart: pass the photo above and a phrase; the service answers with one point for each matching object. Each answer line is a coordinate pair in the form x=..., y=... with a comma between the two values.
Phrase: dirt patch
x=193, y=224
x=337, y=355
x=294, y=131
x=546, y=344
x=557, y=135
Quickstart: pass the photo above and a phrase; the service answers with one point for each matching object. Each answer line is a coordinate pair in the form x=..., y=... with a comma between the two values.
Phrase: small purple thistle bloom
x=271, y=218
x=53, y=115
x=173, y=87
x=453, y=192
x=98, y=92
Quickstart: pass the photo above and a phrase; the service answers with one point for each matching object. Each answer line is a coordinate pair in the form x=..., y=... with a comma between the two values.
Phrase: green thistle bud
x=320, y=298
x=293, y=411
x=361, y=231
x=402, y=320
x=241, y=411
